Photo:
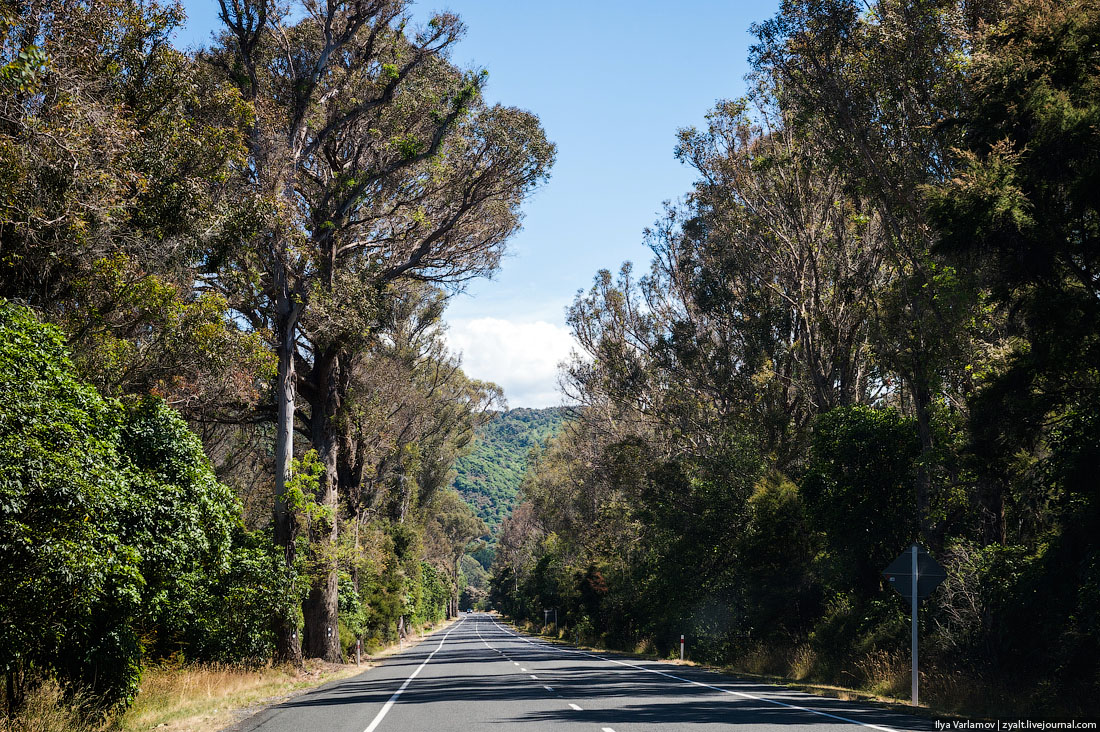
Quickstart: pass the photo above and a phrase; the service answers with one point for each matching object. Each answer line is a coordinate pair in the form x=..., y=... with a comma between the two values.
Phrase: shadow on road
x=610, y=694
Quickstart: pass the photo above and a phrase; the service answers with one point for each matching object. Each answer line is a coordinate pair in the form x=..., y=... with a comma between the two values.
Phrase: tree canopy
x=871, y=321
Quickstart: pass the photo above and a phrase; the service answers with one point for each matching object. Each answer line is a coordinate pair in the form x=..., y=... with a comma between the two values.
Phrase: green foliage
x=473, y=579
x=301, y=490
x=119, y=541
x=117, y=145
x=72, y=585
x=489, y=477
x=387, y=586
x=432, y=593
x=858, y=491
x=22, y=74
x=384, y=586
x=140, y=333
x=874, y=320
x=781, y=584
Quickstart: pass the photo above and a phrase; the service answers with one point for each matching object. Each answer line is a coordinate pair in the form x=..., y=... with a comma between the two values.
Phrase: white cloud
x=522, y=357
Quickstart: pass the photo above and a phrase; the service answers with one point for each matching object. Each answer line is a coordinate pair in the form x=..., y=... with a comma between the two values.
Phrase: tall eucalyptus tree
x=885, y=82
x=371, y=160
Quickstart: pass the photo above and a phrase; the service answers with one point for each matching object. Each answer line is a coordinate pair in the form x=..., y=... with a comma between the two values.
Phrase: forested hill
x=490, y=476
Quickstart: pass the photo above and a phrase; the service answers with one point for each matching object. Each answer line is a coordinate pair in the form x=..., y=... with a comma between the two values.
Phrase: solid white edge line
x=386, y=707
x=715, y=688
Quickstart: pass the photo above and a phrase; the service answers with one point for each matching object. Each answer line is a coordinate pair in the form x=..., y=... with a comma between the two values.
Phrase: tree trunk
x=13, y=695
x=285, y=625
x=457, y=590
x=991, y=497
x=322, y=632
x=922, y=402
x=322, y=637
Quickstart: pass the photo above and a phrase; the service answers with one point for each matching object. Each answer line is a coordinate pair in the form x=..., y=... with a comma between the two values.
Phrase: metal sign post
x=913, y=553
x=914, y=575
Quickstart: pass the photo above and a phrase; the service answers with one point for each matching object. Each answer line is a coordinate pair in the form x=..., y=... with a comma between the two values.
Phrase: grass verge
x=198, y=698
x=209, y=698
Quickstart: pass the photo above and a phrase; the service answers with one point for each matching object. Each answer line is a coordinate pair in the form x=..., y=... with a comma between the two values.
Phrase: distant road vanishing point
x=480, y=675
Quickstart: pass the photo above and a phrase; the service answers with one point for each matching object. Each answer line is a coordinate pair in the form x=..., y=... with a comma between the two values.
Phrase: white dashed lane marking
x=731, y=692
x=575, y=708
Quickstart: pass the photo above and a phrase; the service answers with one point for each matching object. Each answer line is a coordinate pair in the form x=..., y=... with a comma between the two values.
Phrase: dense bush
x=118, y=542
x=858, y=492
x=70, y=584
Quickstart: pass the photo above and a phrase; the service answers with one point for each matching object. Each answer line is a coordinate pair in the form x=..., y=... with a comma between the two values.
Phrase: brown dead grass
x=208, y=698
x=200, y=698
x=46, y=709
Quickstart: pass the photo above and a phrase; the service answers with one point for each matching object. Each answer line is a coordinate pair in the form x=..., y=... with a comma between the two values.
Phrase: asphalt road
x=480, y=675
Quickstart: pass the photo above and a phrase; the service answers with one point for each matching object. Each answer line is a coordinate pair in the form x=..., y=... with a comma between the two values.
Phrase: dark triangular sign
x=929, y=574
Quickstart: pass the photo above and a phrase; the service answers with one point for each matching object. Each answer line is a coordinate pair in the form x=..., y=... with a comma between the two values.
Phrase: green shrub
x=118, y=541
x=70, y=582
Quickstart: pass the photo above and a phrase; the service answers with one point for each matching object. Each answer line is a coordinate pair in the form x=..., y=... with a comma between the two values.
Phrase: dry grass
x=189, y=699
x=47, y=710
x=208, y=698
x=802, y=661
x=765, y=660
x=885, y=673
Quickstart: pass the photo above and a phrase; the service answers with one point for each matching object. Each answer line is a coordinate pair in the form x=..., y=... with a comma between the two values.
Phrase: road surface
x=480, y=675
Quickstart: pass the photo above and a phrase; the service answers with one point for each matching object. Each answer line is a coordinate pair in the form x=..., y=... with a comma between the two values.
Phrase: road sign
x=929, y=574
x=914, y=575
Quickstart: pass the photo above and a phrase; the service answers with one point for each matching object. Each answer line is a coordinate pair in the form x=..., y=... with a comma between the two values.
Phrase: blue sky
x=612, y=81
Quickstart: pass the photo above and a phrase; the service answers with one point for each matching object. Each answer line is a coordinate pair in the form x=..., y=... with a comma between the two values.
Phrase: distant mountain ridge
x=490, y=476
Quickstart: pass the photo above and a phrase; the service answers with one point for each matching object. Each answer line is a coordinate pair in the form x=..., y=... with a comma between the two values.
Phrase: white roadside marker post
x=681, y=646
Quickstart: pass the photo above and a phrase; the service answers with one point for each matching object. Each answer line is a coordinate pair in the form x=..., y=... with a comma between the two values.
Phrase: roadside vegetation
x=228, y=417
x=229, y=420
x=489, y=477
x=186, y=698
x=875, y=319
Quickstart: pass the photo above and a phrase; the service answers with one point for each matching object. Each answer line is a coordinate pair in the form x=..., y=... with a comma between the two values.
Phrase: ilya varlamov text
x=1001, y=725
